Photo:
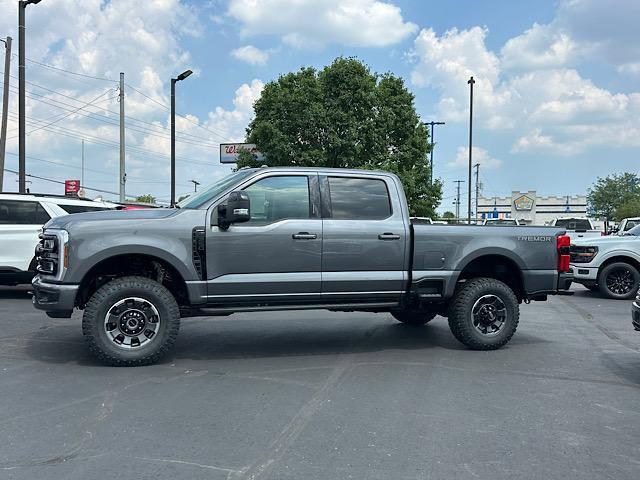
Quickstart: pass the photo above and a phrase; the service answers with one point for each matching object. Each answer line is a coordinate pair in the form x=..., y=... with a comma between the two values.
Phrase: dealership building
x=531, y=209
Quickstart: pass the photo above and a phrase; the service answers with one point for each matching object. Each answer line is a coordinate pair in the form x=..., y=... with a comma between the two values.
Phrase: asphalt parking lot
x=320, y=395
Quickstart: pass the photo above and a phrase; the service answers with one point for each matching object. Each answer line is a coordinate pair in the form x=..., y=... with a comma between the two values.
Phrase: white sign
x=229, y=152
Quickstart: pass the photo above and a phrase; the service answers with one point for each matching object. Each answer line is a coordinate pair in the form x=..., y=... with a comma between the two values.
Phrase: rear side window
x=80, y=208
x=14, y=212
x=359, y=199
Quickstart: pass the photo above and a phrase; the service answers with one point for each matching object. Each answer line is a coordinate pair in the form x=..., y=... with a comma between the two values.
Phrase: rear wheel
x=131, y=321
x=484, y=314
x=619, y=281
x=413, y=317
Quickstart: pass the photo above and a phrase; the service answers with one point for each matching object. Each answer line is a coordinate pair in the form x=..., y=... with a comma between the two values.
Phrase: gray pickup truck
x=288, y=238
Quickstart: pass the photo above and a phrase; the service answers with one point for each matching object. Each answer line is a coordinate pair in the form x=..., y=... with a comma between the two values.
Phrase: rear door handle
x=388, y=236
x=304, y=236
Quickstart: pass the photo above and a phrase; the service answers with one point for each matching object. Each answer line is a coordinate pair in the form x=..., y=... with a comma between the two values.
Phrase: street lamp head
x=31, y=2
x=184, y=75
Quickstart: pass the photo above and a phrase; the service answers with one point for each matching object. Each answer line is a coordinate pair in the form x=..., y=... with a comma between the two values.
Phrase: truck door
x=364, y=239
x=275, y=257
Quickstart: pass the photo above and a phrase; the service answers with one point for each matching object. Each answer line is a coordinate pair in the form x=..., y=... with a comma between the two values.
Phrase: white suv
x=21, y=219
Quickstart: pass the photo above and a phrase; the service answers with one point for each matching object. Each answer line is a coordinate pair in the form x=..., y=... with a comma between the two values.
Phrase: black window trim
x=325, y=194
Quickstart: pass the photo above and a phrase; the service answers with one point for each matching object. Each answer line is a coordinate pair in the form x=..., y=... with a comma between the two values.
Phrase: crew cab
x=610, y=265
x=289, y=238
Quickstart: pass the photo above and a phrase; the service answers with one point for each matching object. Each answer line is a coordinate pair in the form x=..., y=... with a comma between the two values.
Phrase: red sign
x=71, y=187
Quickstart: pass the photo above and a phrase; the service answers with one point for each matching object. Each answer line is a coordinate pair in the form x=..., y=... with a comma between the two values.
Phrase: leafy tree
x=448, y=214
x=148, y=198
x=345, y=116
x=628, y=209
x=183, y=197
x=611, y=192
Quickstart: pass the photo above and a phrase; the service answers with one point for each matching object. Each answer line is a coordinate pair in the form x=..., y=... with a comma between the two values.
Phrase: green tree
x=611, y=192
x=148, y=198
x=183, y=197
x=448, y=214
x=628, y=209
x=345, y=116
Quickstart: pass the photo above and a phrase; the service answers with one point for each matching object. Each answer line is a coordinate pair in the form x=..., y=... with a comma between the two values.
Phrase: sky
x=556, y=99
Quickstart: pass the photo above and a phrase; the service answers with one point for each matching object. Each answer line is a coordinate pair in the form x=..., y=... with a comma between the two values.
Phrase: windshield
x=635, y=231
x=574, y=223
x=212, y=191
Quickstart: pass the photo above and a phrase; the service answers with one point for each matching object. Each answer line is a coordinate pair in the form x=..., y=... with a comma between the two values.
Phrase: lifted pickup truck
x=289, y=238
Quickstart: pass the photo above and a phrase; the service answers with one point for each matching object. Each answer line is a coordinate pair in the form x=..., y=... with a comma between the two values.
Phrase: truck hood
x=67, y=221
x=604, y=241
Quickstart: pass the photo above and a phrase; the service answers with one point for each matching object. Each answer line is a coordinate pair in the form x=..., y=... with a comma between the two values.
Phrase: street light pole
x=470, y=82
x=431, y=150
x=182, y=76
x=22, y=184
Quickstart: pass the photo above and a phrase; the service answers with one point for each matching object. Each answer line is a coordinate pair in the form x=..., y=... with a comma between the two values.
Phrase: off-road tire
x=604, y=288
x=413, y=317
x=102, y=346
x=460, y=317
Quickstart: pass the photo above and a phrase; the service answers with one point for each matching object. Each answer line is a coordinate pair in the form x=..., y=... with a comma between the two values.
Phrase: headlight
x=582, y=254
x=52, y=253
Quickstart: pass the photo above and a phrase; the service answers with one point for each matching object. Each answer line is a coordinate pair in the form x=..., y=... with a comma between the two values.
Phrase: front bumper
x=56, y=299
x=635, y=314
x=582, y=274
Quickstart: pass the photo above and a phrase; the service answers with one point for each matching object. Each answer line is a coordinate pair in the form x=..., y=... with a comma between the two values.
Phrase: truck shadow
x=229, y=339
x=15, y=293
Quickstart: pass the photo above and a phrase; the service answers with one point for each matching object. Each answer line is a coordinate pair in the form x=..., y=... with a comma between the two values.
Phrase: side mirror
x=237, y=209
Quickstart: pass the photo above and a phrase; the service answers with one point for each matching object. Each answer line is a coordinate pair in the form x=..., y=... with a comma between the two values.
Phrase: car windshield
x=635, y=231
x=214, y=190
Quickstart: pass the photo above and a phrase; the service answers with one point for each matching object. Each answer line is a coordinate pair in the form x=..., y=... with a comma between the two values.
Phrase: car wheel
x=131, y=321
x=484, y=314
x=413, y=317
x=619, y=281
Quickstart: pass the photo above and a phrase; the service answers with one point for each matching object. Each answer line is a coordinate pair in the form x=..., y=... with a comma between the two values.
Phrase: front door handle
x=304, y=236
x=388, y=236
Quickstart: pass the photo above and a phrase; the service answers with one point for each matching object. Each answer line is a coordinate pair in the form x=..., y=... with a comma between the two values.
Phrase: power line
x=46, y=65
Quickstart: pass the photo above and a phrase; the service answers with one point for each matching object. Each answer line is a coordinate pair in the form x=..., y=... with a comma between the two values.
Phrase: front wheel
x=619, y=281
x=413, y=317
x=131, y=321
x=484, y=314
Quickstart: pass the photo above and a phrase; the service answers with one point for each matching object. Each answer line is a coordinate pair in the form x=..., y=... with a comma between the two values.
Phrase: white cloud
x=480, y=155
x=313, y=24
x=631, y=68
x=251, y=55
x=539, y=47
x=529, y=97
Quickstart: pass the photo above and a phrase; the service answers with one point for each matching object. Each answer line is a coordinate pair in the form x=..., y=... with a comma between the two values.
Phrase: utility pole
x=22, y=177
x=431, y=150
x=123, y=175
x=458, y=182
x=470, y=82
x=5, y=107
x=82, y=175
x=195, y=185
x=477, y=167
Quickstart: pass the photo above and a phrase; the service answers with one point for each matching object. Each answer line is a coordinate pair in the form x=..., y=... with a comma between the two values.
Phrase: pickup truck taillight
x=564, y=258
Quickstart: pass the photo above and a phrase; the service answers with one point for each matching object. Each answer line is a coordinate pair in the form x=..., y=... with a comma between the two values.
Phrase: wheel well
x=498, y=267
x=629, y=260
x=135, y=264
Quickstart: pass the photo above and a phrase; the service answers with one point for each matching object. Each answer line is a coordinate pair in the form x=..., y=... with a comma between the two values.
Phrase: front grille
x=48, y=255
x=582, y=254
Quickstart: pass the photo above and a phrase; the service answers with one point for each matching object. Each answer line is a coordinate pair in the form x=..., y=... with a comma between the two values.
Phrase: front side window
x=279, y=198
x=359, y=199
x=15, y=212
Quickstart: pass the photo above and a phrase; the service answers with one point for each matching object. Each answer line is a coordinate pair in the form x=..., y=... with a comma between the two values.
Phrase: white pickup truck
x=578, y=227
x=608, y=264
